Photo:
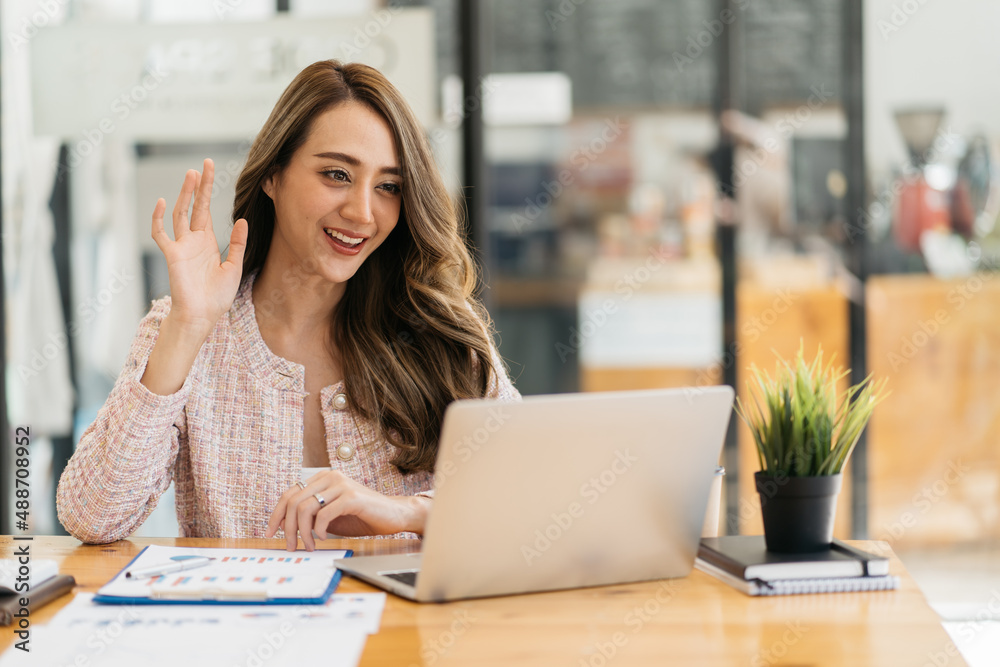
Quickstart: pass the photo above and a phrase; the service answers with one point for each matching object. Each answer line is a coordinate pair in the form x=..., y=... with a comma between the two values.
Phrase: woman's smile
x=343, y=242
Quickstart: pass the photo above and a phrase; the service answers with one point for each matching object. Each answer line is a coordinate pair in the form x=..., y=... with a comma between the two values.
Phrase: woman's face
x=339, y=197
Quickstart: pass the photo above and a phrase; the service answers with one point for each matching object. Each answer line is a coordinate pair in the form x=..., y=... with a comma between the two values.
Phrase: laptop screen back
x=571, y=490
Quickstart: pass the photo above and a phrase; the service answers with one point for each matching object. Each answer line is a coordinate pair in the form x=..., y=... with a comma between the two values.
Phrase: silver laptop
x=562, y=491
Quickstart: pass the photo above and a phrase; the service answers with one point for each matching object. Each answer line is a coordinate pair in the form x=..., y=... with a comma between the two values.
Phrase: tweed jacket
x=230, y=439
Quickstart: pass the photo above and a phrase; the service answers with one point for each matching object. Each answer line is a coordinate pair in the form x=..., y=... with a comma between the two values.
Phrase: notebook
x=757, y=587
x=36, y=597
x=542, y=494
x=12, y=578
x=747, y=557
x=37, y=582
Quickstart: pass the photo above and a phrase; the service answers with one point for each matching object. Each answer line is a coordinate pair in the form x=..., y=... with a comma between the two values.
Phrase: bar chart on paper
x=233, y=575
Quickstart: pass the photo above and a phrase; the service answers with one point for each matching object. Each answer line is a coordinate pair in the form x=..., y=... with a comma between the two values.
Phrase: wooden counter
x=691, y=621
x=935, y=442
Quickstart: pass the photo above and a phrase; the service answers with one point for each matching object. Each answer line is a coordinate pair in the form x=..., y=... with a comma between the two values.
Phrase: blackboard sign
x=791, y=49
x=658, y=53
x=626, y=52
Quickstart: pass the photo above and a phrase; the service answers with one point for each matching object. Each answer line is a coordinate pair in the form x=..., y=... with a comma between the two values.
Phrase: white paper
x=235, y=572
x=360, y=611
x=978, y=641
x=281, y=643
x=85, y=633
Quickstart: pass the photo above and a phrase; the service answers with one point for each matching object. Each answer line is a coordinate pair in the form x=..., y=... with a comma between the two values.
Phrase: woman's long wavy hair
x=409, y=334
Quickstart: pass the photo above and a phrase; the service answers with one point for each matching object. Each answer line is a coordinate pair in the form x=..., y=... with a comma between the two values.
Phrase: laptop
x=562, y=491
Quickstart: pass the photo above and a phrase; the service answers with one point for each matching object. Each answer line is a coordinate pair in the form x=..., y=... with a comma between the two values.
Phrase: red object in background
x=919, y=207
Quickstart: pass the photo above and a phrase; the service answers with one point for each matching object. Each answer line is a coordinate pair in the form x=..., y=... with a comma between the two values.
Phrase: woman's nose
x=358, y=206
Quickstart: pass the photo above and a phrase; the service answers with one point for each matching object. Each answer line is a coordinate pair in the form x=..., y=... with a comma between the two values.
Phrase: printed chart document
x=355, y=611
x=128, y=635
x=234, y=576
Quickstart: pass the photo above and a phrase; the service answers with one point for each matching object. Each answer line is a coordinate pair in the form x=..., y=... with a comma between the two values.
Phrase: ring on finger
x=300, y=484
x=321, y=499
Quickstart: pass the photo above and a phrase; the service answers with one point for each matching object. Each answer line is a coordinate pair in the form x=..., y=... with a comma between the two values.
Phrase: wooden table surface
x=691, y=621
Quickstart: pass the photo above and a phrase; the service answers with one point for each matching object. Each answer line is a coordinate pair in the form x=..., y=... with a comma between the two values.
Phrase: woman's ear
x=268, y=186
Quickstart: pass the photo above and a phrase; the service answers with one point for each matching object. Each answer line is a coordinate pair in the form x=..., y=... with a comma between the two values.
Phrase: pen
x=185, y=563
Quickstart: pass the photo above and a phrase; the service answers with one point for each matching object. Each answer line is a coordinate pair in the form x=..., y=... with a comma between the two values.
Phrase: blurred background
x=659, y=193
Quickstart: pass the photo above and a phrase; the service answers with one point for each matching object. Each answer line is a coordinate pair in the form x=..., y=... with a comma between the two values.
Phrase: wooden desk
x=692, y=621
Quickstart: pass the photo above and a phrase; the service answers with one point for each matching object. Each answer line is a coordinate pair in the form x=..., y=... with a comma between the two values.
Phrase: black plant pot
x=798, y=512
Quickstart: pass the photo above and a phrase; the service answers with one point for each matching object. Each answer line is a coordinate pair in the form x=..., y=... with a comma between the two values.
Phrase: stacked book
x=35, y=583
x=743, y=562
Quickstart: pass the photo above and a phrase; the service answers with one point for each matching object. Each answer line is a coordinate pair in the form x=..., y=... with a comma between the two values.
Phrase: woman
x=334, y=335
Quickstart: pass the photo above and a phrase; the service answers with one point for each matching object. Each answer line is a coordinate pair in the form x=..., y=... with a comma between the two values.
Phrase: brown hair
x=411, y=337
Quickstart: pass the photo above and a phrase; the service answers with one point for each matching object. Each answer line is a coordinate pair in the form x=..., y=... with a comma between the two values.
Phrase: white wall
x=926, y=53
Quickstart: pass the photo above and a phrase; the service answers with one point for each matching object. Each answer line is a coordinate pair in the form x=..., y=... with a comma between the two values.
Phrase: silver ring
x=300, y=484
x=320, y=499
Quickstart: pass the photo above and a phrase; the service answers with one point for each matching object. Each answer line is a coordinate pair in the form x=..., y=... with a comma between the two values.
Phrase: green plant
x=801, y=430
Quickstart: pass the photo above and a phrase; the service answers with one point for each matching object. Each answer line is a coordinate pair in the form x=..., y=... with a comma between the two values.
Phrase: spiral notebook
x=757, y=587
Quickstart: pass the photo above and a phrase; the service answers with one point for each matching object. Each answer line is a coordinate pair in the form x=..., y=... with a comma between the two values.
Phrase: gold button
x=345, y=452
x=340, y=401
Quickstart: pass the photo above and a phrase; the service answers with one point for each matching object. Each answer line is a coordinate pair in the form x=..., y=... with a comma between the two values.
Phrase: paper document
x=208, y=646
x=244, y=575
x=360, y=611
x=85, y=633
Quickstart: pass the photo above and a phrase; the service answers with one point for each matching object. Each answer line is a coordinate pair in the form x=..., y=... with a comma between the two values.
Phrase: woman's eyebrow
x=354, y=162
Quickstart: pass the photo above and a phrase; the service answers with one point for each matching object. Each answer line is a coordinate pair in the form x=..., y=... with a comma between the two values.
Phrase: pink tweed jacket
x=230, y=439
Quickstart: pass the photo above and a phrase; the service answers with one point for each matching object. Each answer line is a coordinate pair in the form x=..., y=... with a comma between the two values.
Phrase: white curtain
x=39, y=391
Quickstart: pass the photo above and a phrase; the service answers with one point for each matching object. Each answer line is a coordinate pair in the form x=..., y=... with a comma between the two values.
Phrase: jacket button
x=345, y=452
x=340, y=401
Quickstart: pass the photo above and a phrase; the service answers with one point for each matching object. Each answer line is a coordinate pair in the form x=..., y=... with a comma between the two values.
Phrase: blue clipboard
x=321, y=599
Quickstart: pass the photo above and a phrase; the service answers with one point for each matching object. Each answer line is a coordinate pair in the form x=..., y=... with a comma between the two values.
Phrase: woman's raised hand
x=202, y=286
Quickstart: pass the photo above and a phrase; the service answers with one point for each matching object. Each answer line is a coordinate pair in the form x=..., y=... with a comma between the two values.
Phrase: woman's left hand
x=349, y=509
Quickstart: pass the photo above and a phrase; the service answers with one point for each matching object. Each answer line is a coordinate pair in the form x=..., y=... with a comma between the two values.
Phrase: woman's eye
x=392, y=188
x=336, y=174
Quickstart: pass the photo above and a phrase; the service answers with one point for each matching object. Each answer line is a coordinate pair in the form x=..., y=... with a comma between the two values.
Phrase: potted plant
x=804, y=436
